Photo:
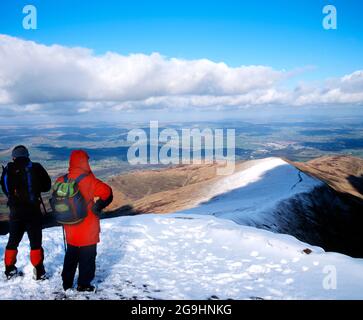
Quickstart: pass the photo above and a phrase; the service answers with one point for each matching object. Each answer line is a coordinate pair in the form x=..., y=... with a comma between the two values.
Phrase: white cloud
x=34, y=73
x=345, y=90
x=38, y=78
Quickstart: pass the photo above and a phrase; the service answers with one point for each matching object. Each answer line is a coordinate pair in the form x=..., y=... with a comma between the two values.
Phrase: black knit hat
x=20, y=151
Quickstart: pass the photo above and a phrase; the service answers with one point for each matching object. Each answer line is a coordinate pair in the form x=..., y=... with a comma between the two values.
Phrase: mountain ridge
x=157, y=201
x=272, y=194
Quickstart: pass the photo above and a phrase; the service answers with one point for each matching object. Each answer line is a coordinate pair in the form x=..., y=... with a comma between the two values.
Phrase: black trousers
x=18, y=227
x=85, y=259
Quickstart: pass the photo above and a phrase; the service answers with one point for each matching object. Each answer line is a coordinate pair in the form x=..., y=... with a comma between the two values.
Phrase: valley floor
x=184, y=256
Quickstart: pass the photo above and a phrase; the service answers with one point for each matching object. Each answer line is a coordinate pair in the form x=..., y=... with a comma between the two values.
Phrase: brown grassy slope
x=161, y=190
x=342, y=173
x=165, y=190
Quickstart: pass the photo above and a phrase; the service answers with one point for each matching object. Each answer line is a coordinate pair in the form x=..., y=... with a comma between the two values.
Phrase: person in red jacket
x=82, y=238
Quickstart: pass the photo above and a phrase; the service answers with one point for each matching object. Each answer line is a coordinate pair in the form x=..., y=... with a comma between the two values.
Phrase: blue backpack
x=18, y=184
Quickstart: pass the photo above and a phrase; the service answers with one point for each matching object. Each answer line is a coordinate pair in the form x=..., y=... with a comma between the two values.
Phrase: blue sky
x=284, y=36
x=280, y=33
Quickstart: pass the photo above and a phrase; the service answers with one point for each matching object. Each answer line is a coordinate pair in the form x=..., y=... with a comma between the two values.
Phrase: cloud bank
x=36, y=77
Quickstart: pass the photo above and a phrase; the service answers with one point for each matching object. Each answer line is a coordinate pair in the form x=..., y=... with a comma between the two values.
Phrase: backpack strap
x=81, y=177
x=28, y=170
x=6, y=170
x=78, y=179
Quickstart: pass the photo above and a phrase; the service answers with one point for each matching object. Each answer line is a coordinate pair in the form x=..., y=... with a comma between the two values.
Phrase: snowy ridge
x=251, y=196
x=183, y=256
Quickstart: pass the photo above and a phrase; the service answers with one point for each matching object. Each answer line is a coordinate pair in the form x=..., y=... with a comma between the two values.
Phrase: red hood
x=78, y=162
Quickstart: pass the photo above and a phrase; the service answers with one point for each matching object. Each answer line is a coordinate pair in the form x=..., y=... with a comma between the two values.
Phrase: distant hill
x=169, y=190
x=343, y=173
x=164, y=190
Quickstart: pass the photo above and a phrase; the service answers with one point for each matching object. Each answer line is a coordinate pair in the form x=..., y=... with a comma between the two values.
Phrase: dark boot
x=88, y=288
x=11, y=271
x=39, y=273
x=66, y=286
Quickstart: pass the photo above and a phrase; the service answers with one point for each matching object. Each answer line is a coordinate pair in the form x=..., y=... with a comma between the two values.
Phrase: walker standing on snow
x=22, y=181
x=73, y=203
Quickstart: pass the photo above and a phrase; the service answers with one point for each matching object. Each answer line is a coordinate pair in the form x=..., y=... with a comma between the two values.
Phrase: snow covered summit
x=270, y=194
x=251, y=196
x=184, y=256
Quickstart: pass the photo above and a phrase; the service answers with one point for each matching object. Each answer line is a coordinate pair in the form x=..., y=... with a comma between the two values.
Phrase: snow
x=183, y=256
x=250, y=196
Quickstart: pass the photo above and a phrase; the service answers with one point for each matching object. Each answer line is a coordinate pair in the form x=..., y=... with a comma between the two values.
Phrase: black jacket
x=22, y=181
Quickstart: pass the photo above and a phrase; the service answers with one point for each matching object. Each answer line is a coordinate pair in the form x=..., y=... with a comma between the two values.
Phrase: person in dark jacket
x=82, y=238
x=22, y=181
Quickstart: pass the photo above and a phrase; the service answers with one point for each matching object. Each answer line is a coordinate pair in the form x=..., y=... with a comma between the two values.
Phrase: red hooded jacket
x=87, y=232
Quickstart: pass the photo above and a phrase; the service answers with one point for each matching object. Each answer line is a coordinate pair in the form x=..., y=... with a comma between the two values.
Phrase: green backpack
x=67, y=202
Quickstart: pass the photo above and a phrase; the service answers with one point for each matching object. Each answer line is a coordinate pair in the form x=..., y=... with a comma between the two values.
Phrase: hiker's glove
x=100, y=204
x=97, y=208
